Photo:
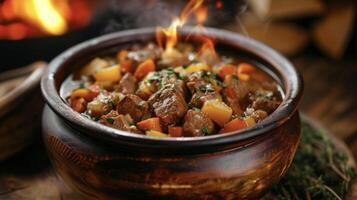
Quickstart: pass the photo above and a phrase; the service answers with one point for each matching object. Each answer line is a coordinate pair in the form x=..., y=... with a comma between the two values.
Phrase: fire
x=28, y=18
x=169, y=35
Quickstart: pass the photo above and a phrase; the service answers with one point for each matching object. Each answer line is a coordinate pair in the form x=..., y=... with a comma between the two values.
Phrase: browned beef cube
x=168, y=104
x=266, y=104
x=197, y=124
x=114, y=120
x=199, y=98
x=128, y=84
x=133, y=106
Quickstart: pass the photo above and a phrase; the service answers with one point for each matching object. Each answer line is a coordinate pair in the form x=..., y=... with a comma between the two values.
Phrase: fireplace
x=34, y=30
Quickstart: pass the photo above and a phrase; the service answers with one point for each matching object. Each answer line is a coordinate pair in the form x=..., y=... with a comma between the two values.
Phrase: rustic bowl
x=20, y=108
x=103, y=163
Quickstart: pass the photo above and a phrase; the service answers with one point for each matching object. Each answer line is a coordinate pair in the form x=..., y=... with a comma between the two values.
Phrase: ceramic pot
x=103, y=163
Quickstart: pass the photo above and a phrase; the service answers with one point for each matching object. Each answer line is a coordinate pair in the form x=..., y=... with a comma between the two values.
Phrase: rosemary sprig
x=319, y=171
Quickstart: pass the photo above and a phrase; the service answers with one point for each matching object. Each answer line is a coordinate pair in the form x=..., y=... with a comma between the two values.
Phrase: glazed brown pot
x=103, y=163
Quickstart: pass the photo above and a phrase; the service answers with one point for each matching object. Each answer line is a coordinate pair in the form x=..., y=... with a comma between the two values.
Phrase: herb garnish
x=82, y=85
x=205, y=131
x=206, y=88
x=110, y=120
x=319, y=171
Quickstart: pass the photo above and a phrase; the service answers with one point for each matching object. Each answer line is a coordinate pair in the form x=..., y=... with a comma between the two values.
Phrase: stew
x=180, y=92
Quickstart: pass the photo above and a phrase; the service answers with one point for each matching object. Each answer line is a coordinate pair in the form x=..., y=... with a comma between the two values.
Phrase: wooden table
x=330, y=95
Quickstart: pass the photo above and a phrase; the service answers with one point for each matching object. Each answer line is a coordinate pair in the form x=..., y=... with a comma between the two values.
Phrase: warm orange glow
x=201, y=15
x=43, y=13
x=28, y=18
x=169, y=35
x=208, y=50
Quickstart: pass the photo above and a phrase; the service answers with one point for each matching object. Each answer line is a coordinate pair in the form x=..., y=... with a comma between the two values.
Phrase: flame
x=43, y=13
x=207, y=52
x=169, y=35
x=29, y=18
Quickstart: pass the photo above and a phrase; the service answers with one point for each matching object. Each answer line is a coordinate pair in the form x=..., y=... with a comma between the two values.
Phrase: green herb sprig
x=319, y=171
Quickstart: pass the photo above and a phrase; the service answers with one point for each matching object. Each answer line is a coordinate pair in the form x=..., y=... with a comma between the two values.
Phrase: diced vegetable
x=145, y=89
x=243, y=77
x=218, y=111
x=196, y=67
x=125, y=62
x=112, y=74
x=158, y=134
x=94, y=66
x=234, y=125
x=79, y=105
x=86, y=94
x=176, y=131
x=245, y=68
x=244, y=71
x=144, y=69
x=150, y=124
x=249, y=121
x=227, y=69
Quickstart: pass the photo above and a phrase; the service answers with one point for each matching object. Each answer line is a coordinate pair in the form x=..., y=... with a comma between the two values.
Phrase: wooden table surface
x=330, y=95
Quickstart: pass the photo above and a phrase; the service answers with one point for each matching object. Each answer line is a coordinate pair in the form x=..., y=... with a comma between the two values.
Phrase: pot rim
x=291, y=81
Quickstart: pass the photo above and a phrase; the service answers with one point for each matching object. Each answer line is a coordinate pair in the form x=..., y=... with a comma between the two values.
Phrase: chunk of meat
x=133, y=106
x=199, y=98
x=168, y=104
x=197, y=124
x=128, y=84
x=114, y=120
x=259, y=115
x=201, y=89
x=265, y=103
x=236, y=94
x=103, y=104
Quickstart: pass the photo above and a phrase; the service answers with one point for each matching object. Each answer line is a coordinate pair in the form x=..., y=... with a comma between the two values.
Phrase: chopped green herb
x=82, y=85
x=196, y=109
x=206, y=88
x=110, y=120
x=112, y=103
x=205, y=131
x=322, y=171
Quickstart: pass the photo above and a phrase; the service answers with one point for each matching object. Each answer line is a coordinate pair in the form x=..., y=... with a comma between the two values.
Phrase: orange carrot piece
x=150, y=124
x=125, y=62
x=79, y=105
x=227, y=69
x=246, y=68
x=86, y=94
x=234, y=125
x=176, y=131
x=144, y=68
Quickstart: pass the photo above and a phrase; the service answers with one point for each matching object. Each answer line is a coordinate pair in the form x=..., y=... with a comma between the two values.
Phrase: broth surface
x=179, y=92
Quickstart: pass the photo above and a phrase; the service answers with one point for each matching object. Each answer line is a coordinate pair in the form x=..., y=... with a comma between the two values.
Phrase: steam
x=124, y=14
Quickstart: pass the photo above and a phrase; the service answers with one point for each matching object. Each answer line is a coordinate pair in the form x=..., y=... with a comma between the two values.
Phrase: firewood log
x=286, y=8
x=287, y=38
x=332, y=33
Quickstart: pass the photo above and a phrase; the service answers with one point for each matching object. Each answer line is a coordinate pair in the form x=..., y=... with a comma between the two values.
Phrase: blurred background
x=318, y=36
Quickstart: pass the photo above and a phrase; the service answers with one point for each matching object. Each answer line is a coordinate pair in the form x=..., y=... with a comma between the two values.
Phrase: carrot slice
x=86, y=94
x=176, y=131
x=79, y=105
x=150, y=124
x=244, y=71
x=234, y=125
x=144, y=68
x=125, y=62
x=246, y=68
x=227, y=69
